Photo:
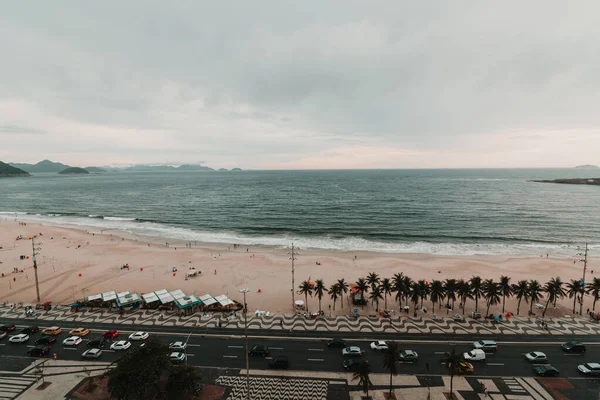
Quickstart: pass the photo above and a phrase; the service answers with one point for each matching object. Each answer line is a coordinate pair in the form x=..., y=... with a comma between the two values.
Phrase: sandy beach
x=78, y=262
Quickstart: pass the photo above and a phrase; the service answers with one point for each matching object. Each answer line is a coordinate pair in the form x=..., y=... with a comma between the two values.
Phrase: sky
x=301, y=85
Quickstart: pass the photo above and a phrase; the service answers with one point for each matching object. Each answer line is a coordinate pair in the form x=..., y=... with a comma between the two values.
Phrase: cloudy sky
x=301, y=84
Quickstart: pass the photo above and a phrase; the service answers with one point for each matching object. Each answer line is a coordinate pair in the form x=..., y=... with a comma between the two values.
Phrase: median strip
x=316, y=359
x=495, y=364
x=229, y=356
x=236, y=347
x=316, y=350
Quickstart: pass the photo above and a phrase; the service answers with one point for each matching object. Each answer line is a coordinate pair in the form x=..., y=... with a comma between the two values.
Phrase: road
x=312, y=354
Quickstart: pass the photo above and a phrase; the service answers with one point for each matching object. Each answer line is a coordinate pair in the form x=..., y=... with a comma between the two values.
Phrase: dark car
x=351, y=364
x=39, y=351
x=408, y=356
x=30, y=330
x=279, y=362
x=7, y=328
x=545, y=370
x=336, y=342
x=46, y=340
x=573, y=347
x=259, y=351
x=96, y=343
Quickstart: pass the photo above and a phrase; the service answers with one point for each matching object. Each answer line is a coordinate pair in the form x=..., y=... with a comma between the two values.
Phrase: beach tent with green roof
x=128, y=299
x=186, y=302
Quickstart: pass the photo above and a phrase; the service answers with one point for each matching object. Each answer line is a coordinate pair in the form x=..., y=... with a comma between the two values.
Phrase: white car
x=589, y=369
x=120, y=345
x=139, y=336
x=72, y=341
x=20, y=338
x=474, y=355
x=3, y=334
x=178, y=346
x=92, y=353
x=352, y=351
x=177, y=357
x=381, y=345
x=536, y=356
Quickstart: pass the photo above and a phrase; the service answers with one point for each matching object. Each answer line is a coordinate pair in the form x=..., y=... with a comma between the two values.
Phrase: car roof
x=175, y=354
x=537, y=353
x=380, y=342
x=176, y=343
x=353, y=348
x=408, y=352
x=487, y=342
x=592, y=365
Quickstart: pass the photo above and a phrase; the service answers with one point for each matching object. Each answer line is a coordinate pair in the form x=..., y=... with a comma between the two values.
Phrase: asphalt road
x=312, y=354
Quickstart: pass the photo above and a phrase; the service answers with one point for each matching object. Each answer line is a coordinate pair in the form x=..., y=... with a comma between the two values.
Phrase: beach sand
x=98, y=256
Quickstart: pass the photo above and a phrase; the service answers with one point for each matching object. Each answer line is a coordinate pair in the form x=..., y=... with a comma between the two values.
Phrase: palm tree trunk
x=390, y=384
x=463, y=305
x=518, y=306
x=342, y=299
x=334, y=304
x=487, y=311
x=574, y=302
x=306, y=300
x=476, y=303
x=319, y=303
x=451, y=383
x=594, y=305
x=503, y=301
x=545, y=308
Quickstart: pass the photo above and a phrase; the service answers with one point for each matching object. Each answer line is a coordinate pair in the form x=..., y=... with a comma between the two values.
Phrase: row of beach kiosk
x=162, y=300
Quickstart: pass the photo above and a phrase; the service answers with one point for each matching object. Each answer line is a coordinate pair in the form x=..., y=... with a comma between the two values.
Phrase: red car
x=7, y=328
x=110, y=334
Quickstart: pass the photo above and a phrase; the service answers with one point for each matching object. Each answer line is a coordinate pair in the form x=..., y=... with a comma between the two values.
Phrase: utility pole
x=584, y=261
x=35, y=268
x=244, y=291
x=293, y=255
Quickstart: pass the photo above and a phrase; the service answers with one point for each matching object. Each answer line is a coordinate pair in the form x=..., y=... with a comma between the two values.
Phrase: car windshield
x=533, y=354
x=472, y=354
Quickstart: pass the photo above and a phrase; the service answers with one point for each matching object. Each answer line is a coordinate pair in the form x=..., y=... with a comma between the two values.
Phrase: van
x=489, y=346
x=474, y=355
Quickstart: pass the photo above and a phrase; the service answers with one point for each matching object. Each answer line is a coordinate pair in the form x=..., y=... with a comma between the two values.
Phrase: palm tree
x=306, y=288
x=452, y=361
x=505, y=289
x=373, y=279
x=334, y=291
x=319, y=290
x=535, y=291
x=423, y=290
x=343, y=285
x=574, y=288
x=464, y=292
x=363, y=378
x=436, y=293
x=593, y=288
x=521, y=291
x=475, y=283
x=407, y=282
x=398, y=284
x=363, y=287
x=375, y=296
x=415, y=295
x=491, y=292
x=560, y=290
x=390, y=356
x=386, y=288
x=552, y=290
x=450, y=288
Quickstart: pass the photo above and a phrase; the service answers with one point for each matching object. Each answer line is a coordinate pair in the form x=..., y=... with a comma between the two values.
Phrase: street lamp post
x=293, y=255
x=244, y=291
x=35, y=268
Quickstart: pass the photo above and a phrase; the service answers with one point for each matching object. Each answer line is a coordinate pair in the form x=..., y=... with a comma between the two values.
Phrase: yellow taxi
x=53, y=330
x=466, y=367
x=79, y=332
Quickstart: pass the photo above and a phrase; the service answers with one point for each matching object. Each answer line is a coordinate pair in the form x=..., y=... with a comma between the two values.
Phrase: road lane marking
x=565, y=354
x=194, y=345
x=236, y=347
x=30, y=346
x=69, y=348
x=440, y=352
x=275, y=348
x=268, y=358
x=316, y=359
x=494, y=364
x=108, y=351
x=189, y=355
x=316, y=349
x=229, y=356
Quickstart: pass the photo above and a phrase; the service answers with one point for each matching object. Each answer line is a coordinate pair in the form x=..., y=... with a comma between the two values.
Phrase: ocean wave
x=315, y=242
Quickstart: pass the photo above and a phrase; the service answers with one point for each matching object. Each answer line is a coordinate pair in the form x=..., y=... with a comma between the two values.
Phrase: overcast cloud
x=311, y=84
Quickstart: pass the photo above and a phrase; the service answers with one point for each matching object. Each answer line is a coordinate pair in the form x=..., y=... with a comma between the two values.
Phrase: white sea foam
x=323, y=242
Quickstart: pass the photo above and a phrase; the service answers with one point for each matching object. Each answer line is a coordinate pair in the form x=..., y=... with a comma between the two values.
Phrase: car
x=79, y=332
x=46, y=340
x=53, y=330
x=536, y=356
x=573, y=347
x=545, y=370
x=380, y=345
x=20, y=338
x=408, y=356
x=3, y=334
x=38, y=351
x=465, y=367
x=178, y=346
x=489, y=346
x=120, y=345
x=96, y=343
x=592, y=369
x=351, y=364
x=259, y=351
x=336, y=342
x=279, y=362
x=7, y=328
x=352, y=351
x=474, y=355
x=113, y=333
x=72, y=341
x=92, y=353
x=30, y=330
x=177, y=357
x=139, y=336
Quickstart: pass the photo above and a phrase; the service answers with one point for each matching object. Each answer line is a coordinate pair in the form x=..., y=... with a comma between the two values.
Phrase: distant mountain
x=154, y=168
x=191, y=167
x=94, y=170
x=587, y=166
x=42, y=166
x=222, y=169
x=10, y=171
x=236, y=169
x=73, y=171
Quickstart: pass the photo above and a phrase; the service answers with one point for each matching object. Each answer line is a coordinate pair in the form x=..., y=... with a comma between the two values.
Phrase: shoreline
x=101, y=254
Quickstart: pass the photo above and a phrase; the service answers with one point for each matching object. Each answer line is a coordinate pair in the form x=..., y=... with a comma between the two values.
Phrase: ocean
x=450, y=212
